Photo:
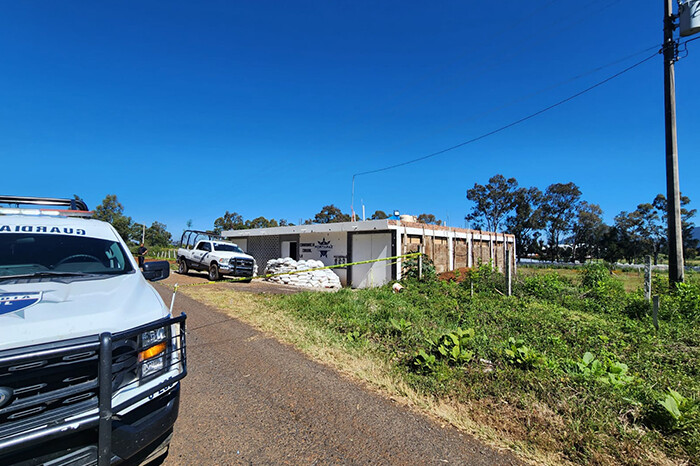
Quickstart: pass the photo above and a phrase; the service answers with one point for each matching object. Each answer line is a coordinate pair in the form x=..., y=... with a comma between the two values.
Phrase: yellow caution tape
x=337, y=266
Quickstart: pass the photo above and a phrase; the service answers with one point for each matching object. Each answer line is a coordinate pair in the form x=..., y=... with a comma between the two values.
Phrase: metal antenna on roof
x=352, y=199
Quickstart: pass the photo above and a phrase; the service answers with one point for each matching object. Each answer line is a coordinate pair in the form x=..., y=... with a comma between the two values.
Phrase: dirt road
x=249, y=399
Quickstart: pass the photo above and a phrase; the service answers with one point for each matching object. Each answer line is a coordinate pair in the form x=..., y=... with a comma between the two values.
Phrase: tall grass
x=564, y=402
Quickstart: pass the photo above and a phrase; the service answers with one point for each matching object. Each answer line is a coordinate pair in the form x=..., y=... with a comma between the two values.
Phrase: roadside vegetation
x=569, y=369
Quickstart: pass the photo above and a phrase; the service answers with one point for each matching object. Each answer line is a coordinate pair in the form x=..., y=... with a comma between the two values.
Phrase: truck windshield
x=23, y=254
x=226, y=247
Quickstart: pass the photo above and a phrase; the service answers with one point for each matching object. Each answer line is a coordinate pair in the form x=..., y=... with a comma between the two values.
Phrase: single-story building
x=347, y=242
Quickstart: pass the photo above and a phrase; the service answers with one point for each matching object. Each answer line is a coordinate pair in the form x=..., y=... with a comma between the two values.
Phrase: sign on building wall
x=329, y=248
x=323, y=246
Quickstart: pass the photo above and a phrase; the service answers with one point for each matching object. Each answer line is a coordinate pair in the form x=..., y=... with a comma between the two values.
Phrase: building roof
x=367, y=225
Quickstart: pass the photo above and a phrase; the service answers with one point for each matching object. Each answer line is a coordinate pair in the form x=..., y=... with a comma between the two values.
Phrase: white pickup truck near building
x=90, y=355
x=201, y=250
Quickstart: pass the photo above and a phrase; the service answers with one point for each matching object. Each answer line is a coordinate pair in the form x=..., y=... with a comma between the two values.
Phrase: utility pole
x=673, y=196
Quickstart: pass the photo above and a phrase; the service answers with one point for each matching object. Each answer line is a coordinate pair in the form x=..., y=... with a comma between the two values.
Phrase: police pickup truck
x=202, y=250
x=90, y=356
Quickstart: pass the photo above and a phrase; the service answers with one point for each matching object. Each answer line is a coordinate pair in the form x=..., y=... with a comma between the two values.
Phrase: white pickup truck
x=90, y=355
x=201, y=250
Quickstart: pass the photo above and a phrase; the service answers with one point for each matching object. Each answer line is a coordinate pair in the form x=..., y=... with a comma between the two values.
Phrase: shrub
x=550, y=286
x=688, y=300
x=411, y=268
x=485, y=279
x=606, y=292
x=592, y=275
x=637, y=306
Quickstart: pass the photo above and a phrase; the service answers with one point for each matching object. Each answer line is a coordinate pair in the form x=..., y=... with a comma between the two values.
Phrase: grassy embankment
x=514, y=371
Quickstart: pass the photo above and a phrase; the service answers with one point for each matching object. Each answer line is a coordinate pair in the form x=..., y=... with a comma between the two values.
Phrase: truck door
x=201, y=251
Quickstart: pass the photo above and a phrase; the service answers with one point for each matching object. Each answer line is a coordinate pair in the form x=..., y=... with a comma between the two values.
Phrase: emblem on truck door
x=5, y=396
x=15, y=302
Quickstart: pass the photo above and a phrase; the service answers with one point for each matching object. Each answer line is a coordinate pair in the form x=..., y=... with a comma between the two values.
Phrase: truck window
x=226, y=247
x=204, y=246
x=27, y=254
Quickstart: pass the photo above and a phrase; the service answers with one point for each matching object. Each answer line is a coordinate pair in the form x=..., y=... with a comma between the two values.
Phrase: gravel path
x=249, y=399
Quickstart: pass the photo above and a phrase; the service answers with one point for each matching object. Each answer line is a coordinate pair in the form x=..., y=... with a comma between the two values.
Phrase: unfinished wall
x=460, y=253
x=484, y=250
x=440, y=254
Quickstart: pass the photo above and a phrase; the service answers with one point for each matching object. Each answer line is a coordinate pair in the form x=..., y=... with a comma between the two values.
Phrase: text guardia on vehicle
x=90, y=356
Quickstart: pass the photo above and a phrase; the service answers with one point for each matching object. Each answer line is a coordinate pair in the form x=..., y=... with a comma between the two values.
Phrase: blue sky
x=188, y=109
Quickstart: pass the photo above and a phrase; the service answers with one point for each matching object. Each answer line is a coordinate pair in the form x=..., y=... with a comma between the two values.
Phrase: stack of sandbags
x=311, y=279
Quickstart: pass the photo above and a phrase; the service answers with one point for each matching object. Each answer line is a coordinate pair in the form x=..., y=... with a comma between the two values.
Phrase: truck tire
x=182, y=267
x=214, y=272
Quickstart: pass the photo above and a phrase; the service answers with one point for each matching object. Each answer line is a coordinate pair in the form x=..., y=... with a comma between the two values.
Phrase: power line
x=502, y=58
x=509, y=125
x=522, y=98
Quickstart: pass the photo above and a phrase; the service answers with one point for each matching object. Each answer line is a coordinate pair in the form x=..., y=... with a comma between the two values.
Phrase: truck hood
x=59, y=311
x=231, y=255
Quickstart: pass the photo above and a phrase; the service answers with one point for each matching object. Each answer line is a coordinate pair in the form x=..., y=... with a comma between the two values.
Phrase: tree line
x=558, y=224
x=112, y=211
x=327, y=214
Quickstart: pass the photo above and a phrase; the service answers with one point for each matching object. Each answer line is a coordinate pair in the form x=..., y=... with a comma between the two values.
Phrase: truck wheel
x=182, y=267
x=214, y=272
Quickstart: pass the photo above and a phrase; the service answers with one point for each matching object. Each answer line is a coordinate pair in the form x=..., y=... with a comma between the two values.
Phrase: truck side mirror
x=156, y=270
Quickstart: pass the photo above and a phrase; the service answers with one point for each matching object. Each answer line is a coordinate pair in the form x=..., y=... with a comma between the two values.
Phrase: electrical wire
x=521, y=99
x=509, y=125
x=523, y=44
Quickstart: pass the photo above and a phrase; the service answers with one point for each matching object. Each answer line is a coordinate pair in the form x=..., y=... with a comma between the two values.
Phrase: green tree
x=428, y=219
x=627, y=241
x=261, y=222
x=379, y=215
x=690, y=244
x=648, y=230
x=229, y=221
x=158, y=235
x=559, y=210
x=588, y=231
x=526, y=220
x=492, y=202
x=615, y=243
x=112, y=211
x=329, y=214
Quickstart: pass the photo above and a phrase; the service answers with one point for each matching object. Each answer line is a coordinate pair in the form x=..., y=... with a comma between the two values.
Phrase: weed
x=518, y=354
x=452, y=346
x=423, y=362
x=682, y=411
x=549, y=286
x=400, y=326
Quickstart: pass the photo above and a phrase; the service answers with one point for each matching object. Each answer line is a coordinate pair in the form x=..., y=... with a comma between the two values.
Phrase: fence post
x=655, y=312
x=509, y=277
x=647, y=279
x=420, y=263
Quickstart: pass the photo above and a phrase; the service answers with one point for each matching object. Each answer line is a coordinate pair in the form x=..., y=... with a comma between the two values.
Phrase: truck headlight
x=153, y=352
x=153, y=336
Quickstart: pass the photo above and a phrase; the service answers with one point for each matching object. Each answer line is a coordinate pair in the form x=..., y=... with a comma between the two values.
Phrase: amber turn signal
x=152, y=351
